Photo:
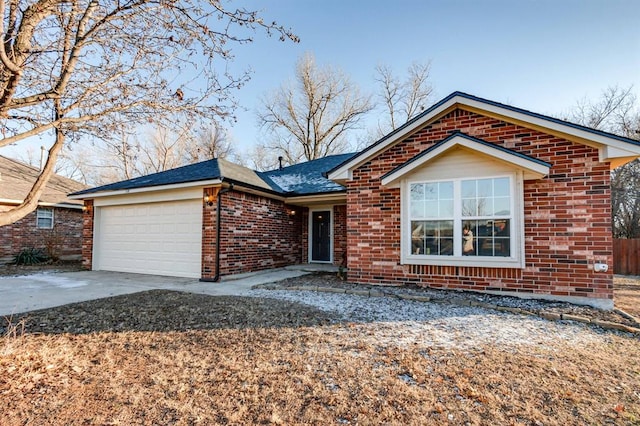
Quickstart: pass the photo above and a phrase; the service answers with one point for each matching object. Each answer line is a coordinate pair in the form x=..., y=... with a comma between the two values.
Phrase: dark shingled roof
x=305, y=178
x=299, y=179
x=205, y=170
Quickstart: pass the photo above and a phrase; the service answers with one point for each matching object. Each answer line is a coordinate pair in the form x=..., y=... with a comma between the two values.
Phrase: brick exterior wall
x=339, y=235
x=257, y=233
x=567, y=217
x=87, y=235
x=64, y=241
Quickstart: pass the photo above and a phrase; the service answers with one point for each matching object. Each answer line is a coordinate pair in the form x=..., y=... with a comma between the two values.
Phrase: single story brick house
x=55, y=226
x=471, y=194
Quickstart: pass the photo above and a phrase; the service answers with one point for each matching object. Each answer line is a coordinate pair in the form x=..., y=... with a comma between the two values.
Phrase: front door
x=321, y=236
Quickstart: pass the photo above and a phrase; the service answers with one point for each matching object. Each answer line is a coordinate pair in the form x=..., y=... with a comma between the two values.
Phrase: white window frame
x=516, y=258
x=40, y=214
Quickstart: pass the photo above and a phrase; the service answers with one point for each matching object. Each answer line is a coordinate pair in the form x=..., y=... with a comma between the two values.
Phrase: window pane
x=431, y=191
x=417, y=191
x=44, y=218
x=469, y=207
x=431, y=209
x=468, y=189
x=485, y=188
x=432, y=238
x=417, y=238
x=417, y=209
x=501, y=206
x=446, y=190
x=446, y=208
x=484, y=207
x=501, y=187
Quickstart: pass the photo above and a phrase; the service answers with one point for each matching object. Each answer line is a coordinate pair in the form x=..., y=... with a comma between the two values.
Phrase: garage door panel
x=159, y=238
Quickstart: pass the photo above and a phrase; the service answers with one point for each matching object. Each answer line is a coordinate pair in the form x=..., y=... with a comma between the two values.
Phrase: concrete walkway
x=49, y=289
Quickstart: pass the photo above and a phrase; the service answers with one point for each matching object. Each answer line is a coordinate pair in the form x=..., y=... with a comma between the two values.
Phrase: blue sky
x=539, y=55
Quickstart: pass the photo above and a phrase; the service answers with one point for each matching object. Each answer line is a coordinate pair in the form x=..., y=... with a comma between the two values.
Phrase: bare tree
x=403, y=99
x=73, y=69
x=311, y=117
x=617, y=111
x=210, y=141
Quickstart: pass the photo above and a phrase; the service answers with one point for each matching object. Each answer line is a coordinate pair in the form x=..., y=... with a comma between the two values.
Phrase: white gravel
x=389, y=321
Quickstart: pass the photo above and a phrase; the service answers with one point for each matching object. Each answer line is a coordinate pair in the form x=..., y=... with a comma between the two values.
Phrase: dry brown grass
x=161, y=358
x=627, y=294
x=306, y=375
x=231, y=372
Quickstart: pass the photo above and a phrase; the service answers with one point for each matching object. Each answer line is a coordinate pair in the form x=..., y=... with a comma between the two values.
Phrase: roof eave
x=610, y=146
x=100, y=194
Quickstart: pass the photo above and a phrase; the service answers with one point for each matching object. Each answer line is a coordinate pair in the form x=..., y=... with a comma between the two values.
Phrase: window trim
x=40, y=211
x=516, y=260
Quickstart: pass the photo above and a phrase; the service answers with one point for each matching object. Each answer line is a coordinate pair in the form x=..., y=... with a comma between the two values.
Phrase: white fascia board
x=532, y=169
x=43, y=204
x=598, y=140
x=201, y=183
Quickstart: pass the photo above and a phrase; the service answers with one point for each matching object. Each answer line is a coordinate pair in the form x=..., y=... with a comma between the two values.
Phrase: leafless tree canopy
x=403, y=99
x=311, y=117
x=617, y=111
x=75, y=68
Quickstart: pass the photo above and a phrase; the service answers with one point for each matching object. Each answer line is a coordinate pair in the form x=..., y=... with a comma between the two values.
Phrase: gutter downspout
x=216, y=278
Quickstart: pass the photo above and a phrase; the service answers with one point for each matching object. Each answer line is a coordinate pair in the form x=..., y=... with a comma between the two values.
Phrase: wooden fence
x=626, y=256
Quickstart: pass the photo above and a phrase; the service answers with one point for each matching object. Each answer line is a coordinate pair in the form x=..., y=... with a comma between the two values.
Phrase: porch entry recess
x=321, y=236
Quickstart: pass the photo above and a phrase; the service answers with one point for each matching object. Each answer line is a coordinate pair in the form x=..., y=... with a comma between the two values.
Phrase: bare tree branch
x=312, y=119
x=84, y=69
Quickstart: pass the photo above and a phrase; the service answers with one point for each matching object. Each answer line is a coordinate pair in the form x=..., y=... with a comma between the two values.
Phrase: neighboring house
x=55, y=226
x=471, y=194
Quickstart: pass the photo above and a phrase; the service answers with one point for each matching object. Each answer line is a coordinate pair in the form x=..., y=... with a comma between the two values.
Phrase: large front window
x=461, y=217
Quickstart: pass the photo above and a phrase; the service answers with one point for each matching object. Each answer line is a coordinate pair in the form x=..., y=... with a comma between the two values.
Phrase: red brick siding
x=567, y=217
x=256, y=233
x=87, y=235
x=339, y=234
x=63, y=241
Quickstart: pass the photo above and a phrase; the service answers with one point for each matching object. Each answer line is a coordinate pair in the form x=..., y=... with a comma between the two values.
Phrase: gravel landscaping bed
x=548, y=309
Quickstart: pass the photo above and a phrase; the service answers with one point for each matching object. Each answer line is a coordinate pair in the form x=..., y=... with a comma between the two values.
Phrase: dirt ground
x=167, y=358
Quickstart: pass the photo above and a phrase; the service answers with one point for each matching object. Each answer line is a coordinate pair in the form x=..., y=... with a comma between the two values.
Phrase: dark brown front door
x=321, y=236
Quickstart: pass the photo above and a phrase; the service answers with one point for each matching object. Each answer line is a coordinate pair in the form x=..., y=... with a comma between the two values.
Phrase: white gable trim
x=532, y=169
x=610, y=147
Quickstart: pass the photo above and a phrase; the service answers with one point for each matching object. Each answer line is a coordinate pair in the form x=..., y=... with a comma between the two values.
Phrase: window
x=44, y=218
x=466, y=221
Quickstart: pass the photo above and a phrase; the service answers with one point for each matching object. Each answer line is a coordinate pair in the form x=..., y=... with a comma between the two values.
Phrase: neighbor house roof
x=613, y=148
x=299, y=179
x=16, y=180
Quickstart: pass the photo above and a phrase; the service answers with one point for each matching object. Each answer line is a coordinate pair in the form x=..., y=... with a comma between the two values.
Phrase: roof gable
x=532, y=167
x=611, y=147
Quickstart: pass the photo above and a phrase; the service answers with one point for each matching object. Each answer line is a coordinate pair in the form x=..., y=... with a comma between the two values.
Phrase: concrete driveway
x=46, y=290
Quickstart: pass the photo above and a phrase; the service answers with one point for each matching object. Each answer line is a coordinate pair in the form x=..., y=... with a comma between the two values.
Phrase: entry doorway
x=320, y=237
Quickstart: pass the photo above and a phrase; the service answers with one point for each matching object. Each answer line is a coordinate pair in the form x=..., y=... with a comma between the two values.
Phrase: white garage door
x=153, y=238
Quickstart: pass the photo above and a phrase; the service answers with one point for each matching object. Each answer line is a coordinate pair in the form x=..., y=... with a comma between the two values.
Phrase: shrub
x=30, y=256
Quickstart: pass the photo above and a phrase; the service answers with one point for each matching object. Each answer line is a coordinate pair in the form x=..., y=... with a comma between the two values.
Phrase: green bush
x=30, y=256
